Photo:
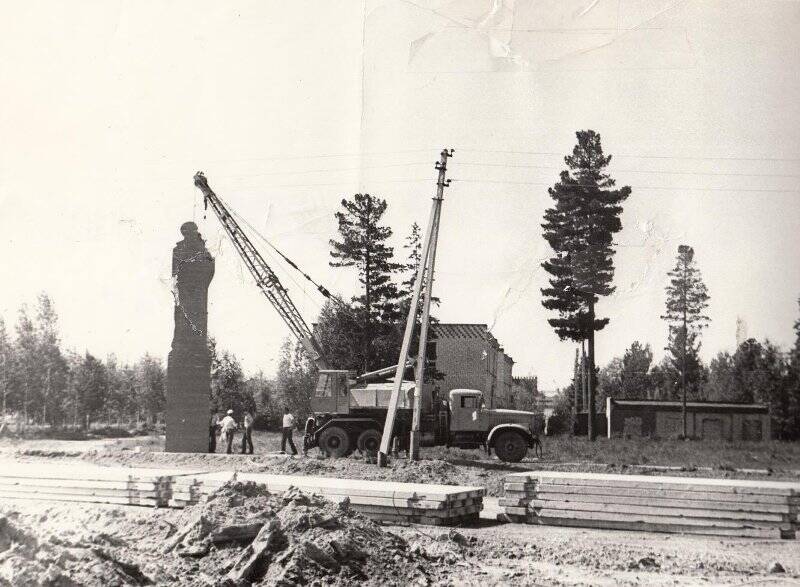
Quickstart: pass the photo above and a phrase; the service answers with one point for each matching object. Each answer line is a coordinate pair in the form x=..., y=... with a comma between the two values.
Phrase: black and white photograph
x=399, y=293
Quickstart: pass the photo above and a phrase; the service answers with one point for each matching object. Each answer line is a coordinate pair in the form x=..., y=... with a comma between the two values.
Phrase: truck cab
x=509, y=432
x=467, y=410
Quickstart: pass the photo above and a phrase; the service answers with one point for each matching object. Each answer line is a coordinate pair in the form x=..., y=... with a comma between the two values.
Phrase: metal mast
x=265, y=277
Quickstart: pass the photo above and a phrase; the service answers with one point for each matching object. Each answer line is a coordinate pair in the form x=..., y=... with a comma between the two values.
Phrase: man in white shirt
x=228, y=427
x=288, y=425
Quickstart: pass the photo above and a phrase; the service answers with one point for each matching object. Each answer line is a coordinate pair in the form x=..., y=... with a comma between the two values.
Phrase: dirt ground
x=769, y=460
x=70, y=544
x=76, y=544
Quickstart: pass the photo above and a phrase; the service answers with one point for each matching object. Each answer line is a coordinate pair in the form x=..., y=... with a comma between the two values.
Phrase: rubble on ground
x=241, y=535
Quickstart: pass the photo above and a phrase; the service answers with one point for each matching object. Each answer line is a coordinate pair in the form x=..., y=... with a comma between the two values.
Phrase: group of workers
x=226, y=429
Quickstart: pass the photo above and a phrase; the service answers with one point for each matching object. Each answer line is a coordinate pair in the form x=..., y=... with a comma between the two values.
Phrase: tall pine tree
x=687, y=299
x=580, y=229
x=363, y=245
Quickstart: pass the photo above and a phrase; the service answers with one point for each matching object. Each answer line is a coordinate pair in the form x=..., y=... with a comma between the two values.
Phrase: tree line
x=756, y=372
x=579, y=228
x=43, y=384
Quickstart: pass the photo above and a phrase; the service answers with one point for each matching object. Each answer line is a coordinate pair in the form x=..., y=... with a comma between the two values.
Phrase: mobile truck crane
x=349, y=412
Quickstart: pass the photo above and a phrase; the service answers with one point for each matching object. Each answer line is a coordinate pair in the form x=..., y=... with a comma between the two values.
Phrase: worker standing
x=228, y=426
x=213, y=430
x=288, y=424
x=247, y=433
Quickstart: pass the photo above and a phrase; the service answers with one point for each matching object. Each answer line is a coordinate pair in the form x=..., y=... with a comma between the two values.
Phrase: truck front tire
x=510, y=446
x=334, y=442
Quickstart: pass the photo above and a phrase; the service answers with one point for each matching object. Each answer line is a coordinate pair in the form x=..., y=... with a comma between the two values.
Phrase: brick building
x=705, y=420
x=471, y=358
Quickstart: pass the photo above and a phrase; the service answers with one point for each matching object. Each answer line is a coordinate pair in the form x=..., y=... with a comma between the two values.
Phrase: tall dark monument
x=189, y=364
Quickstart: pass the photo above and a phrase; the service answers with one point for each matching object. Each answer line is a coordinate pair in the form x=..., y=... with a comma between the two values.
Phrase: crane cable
x=321, y=288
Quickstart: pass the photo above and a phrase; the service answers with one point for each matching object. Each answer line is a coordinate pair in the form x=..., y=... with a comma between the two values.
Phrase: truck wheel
x=334, y=442
x=510, y=446
x=369, y=441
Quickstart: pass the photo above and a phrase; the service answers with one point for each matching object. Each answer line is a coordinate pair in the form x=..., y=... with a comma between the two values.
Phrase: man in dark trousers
x=213, y=430
x=229, y=427
x=247, y=433
x=288, y=424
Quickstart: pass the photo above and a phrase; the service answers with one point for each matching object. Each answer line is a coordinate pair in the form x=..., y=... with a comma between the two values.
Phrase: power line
x=638, y=187
x=235, y=215
x=321, y=288
x=630, y=156
x=656, y=172
x=334, y=169
x=323, y=156
x=293, y=185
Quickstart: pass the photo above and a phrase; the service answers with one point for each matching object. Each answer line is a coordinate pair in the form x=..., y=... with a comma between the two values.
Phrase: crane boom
x=266, y=279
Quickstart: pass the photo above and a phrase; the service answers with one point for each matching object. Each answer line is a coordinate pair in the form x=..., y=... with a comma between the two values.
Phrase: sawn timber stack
x=385, y=501
x=85, y=483
x=729, y=507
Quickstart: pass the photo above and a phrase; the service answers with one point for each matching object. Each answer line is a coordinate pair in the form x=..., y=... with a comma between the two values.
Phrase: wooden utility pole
x=388, y=428
x=413, y=452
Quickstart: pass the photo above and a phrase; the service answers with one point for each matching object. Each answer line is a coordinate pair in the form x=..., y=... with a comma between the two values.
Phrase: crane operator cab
x=331, y=393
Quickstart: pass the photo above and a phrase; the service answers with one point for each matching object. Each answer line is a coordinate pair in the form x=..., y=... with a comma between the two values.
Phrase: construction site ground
x=81, y=544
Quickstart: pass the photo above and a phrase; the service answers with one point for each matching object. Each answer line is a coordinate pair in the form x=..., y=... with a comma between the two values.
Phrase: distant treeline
x=43, y=384
x=757, y=372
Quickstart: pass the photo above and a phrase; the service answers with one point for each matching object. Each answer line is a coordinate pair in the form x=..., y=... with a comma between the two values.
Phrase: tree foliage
x=228, y=389
x=686, y=301
x=580, y=229
x=295, y=380
x=90, y=384
x=7, y=369
x=635, y=380
x=150, y=385
x=363, y=245
x=338, y=330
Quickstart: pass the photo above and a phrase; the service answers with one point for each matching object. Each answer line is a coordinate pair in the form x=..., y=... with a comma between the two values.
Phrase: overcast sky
x=109, y=107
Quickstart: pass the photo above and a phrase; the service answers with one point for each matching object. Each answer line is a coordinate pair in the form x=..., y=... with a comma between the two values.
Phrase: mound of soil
x=251, y=536
x=241, y=535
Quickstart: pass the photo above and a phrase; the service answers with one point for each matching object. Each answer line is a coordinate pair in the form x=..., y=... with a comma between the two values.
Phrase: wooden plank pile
x=387, y=501
x=85, y=483
x=729, y=507
x=380, y=500
x=189, y=489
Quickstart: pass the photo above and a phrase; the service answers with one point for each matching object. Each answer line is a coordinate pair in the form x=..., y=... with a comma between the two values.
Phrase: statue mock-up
x=189, y=363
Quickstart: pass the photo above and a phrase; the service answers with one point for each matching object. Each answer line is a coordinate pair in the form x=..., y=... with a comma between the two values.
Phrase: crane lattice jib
x=265, y=277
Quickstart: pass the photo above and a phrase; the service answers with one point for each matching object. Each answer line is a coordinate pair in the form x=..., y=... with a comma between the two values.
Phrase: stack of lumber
x=84, y=483
x=380, y=500
x=191, y=488
x=729, y=507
